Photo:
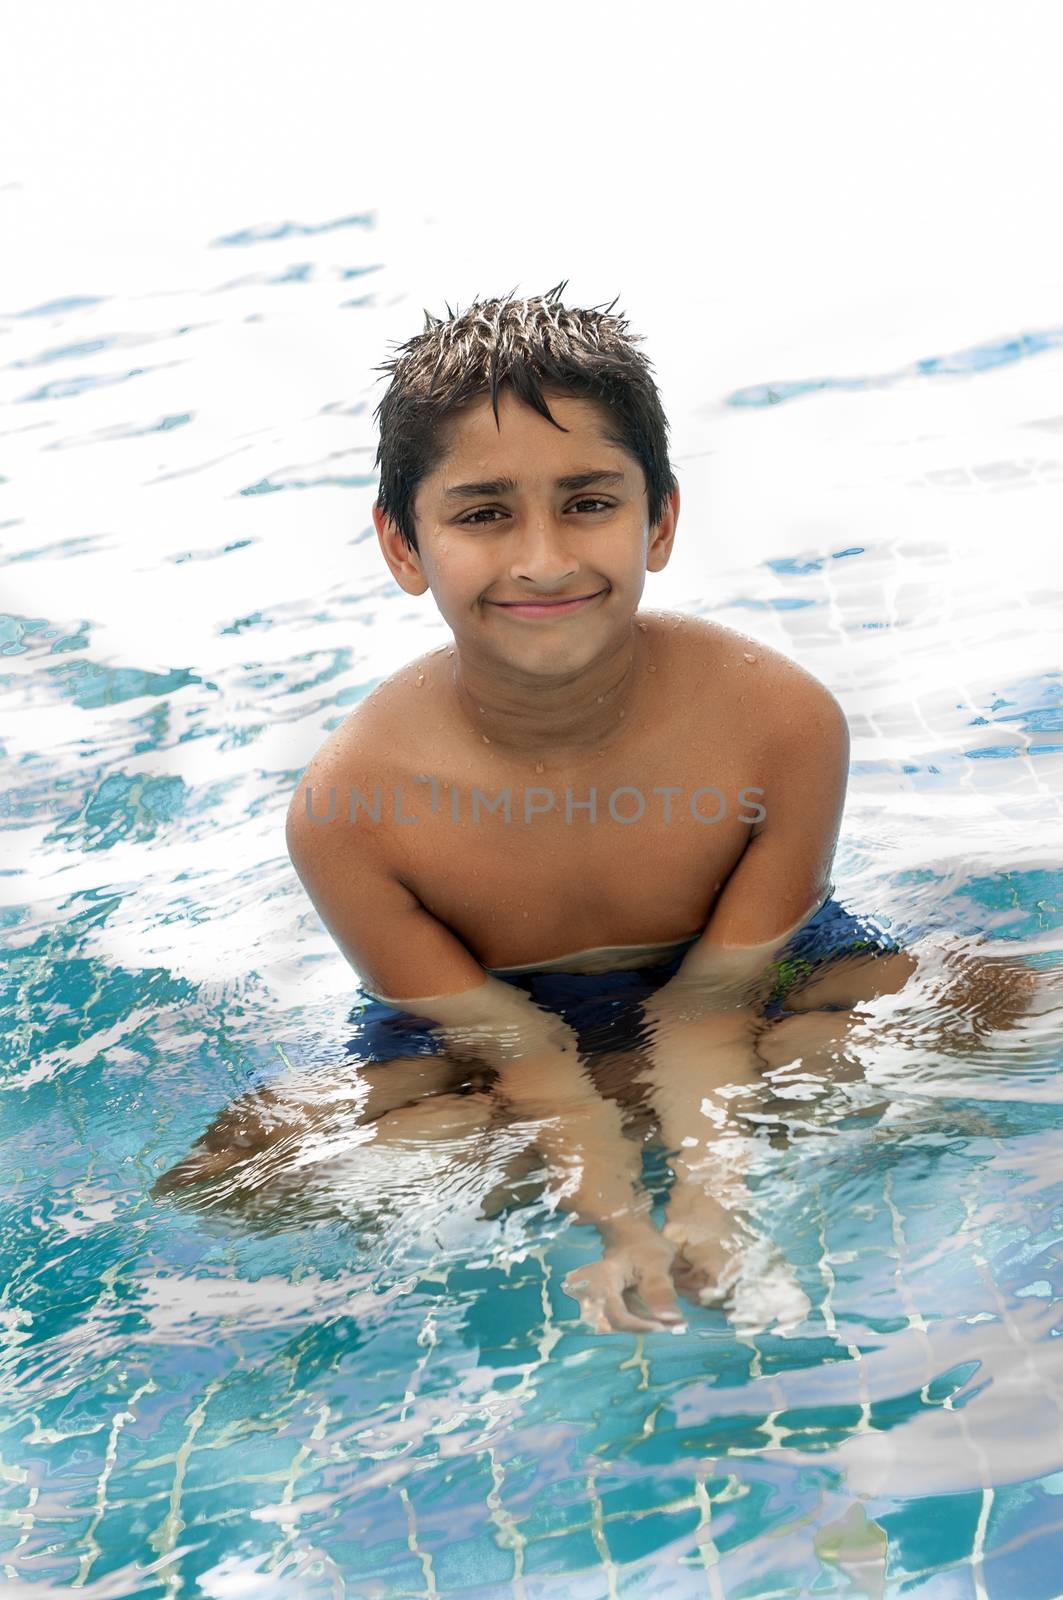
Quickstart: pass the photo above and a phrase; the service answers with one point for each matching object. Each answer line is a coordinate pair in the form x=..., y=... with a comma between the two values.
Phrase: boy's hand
x=719, y=1260
x=707, y=1239
x=639, y=1262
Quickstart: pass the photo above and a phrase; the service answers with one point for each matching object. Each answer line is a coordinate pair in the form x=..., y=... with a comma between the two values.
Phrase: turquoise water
x=361, y=1388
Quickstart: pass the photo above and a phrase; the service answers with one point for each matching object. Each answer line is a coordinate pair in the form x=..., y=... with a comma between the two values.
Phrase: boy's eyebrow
x=576, y=480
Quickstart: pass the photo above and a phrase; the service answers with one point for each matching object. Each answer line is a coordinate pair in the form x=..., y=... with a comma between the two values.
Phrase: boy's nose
x=543, y=554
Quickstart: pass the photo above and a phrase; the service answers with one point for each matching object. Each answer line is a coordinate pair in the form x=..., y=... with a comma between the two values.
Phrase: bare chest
x=524, y=866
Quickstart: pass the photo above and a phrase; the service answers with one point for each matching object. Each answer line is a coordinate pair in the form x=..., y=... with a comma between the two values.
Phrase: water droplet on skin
x=747, y=657
x=538, y=768
x=601, y=697
x=641, y=625
x=485, y=739
x=420, y=680
x=651, y=669
x=480, y=709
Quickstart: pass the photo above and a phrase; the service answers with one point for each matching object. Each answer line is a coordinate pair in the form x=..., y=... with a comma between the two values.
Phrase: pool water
x=363, y=1389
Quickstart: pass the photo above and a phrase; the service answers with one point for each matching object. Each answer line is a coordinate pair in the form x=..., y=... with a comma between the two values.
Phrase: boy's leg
x=283, y=1111
x=847, y=980
x=433, y=1111
x=966, y=994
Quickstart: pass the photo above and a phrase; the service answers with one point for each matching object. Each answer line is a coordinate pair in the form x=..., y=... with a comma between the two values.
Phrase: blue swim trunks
x=830, y=935
x=605, y=1008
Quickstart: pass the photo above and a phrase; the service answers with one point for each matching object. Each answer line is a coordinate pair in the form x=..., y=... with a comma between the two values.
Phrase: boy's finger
x=602, y=1305
x=606, y=1312
x=657, y=1292
x=624, y=1321
x=591, y=1309
x=665, y=1319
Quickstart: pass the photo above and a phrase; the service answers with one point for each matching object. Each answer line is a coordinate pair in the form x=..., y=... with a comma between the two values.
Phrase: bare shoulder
x=777, y=719
x=755, y=667
x=758, y=691
x=364, y=752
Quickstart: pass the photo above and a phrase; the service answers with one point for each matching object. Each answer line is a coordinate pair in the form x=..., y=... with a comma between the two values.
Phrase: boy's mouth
x=546, y=608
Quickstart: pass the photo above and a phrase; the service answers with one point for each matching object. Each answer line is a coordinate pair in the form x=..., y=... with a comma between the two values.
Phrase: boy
x=575, y=787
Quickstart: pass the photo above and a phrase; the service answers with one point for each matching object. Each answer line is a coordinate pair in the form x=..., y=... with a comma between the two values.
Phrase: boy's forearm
x=580, y=1134
x=700, y=1058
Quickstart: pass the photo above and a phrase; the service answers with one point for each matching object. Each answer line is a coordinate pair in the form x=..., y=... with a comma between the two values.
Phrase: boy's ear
x=403, y=563
x=662, y=536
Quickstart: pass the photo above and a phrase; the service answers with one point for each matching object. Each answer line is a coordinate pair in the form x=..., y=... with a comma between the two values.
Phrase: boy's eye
x=489, y=511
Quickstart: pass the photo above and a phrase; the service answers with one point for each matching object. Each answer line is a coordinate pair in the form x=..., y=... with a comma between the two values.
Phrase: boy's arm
x=704, y=1022
x=780, y=880
x=783, y=874
x=413, y=961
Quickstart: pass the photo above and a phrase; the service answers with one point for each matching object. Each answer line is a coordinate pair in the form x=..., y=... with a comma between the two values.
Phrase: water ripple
x=270, y=232
x=960, y=363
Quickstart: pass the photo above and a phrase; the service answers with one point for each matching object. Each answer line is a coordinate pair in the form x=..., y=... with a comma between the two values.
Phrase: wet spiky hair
x=530, y=344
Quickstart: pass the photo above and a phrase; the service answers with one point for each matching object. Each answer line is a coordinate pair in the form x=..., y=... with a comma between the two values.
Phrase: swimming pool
x=372, y=1392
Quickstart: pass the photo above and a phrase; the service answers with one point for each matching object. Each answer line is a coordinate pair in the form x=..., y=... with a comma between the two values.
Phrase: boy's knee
x=849, y=979
x=403, y=1080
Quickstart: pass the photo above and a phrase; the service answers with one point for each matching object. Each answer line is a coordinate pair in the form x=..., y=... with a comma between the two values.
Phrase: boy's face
x=538, y=541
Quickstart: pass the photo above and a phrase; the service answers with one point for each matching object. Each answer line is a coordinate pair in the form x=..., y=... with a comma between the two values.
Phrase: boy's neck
x=536, y=720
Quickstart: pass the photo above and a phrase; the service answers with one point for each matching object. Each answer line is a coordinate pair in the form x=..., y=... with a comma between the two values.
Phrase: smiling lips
x=543, y=608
